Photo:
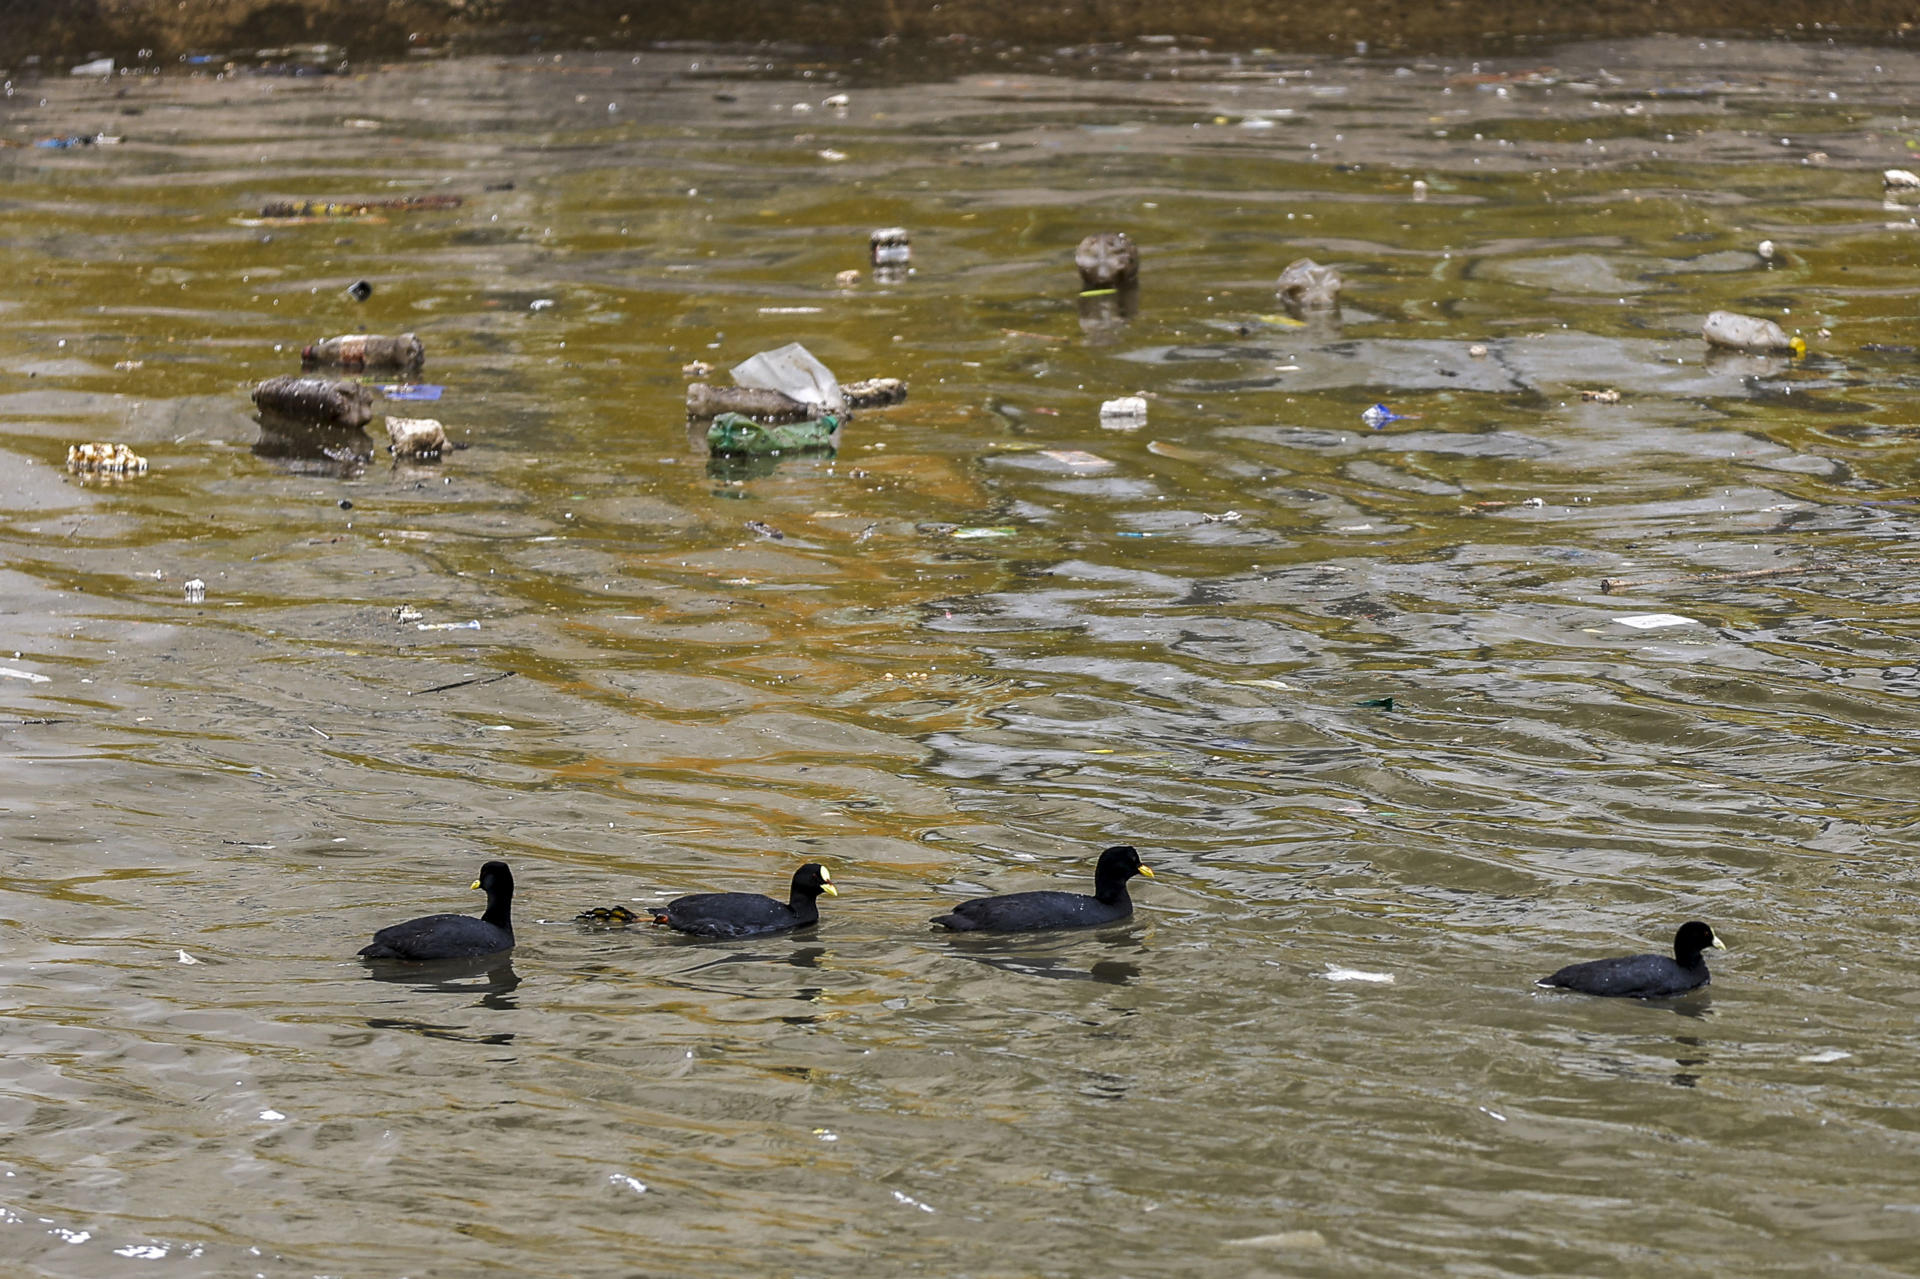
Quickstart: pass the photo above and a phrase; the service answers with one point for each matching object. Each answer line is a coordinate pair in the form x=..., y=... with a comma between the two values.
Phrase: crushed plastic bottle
x=735, y=434
x=321, y=400
x=356, y=351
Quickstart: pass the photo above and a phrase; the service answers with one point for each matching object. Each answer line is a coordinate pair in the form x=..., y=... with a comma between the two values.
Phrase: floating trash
x=412, y=391
x=874, y=393
x=735, y=434
x=1307, y=286
x=326, y=401
x=1655, y=621
x=448, y=626
x=793, y=371
x=890, y=246
x=105, y=459
x=9, y=672
x=1128, y=413
x=194, y=592
x=423, y=439
x=1379, y=415
x=311, y=210
x=355, y=351
x=1107, y=260
x=1735, y=332
x=1336, y=973
x=1076, y=458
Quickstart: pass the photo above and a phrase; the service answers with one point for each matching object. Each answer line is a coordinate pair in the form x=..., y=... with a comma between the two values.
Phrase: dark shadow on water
x=492, y=977
x=1016, y=953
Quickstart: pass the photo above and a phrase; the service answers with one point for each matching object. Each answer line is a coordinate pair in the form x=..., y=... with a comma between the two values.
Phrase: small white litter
x=1654, y=621
x=1336, y=973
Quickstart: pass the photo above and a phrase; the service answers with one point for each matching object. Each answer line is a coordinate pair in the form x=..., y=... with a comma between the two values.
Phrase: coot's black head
x=495, y=880
x=1693, y=938
x=1116, y=866
x=812, y=880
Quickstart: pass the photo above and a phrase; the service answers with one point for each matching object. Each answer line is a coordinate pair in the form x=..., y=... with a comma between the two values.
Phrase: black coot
x=1025, y=912
x=1645, y=976
x=454, y=936
x=750, y=914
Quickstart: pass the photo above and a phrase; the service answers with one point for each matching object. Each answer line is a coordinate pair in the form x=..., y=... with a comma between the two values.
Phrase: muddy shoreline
x=56, y=29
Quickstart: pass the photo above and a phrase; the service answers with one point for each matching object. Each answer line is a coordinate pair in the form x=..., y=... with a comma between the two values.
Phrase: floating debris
x=360, y=290
x=1336, y=973
x=423, y=439
x=407, y=613
x=283, y=209
x=1601, y=397
x=1127, y=413
x=105, y=459
x=1225, y=517
x=737, y=435
x=1107, y=260
x=194, y=591
x=1655, y=621
x=1076, y=458
x=320, y=400
x=704, y=400
x=1736, y=332
x=1379, y=415
x=874, y=393
x=70, y=141
x=1307, y=286
x=696, y=369
x=412, y=391
x=846, y=279
x=766, y=530
x=890, y=246
x=355, y=351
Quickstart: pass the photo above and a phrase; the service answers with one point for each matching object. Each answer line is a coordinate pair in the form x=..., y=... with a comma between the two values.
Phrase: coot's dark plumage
x=1645, y=976
x=454, y=936
x=1026, y=912
x=750, y=914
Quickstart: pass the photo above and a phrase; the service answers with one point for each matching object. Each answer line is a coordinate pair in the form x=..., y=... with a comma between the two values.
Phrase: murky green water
x=257, y=782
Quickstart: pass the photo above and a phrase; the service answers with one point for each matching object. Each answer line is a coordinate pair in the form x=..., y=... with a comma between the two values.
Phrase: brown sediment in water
x=167, y=31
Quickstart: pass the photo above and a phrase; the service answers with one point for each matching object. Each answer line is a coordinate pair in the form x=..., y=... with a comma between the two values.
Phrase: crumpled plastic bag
x=794, y=372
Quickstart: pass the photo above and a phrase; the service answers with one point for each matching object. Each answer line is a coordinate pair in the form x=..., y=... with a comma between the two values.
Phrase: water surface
x=973, y=657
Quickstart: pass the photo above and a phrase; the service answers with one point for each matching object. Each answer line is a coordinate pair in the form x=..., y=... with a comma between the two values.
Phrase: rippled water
x=972, y=659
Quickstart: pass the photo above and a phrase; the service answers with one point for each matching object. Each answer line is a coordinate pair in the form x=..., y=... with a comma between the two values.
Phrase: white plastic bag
x=792, y=371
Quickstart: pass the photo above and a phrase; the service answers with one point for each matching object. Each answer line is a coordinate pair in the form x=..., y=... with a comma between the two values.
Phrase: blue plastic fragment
x=1379, y=415
x=415, y=391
